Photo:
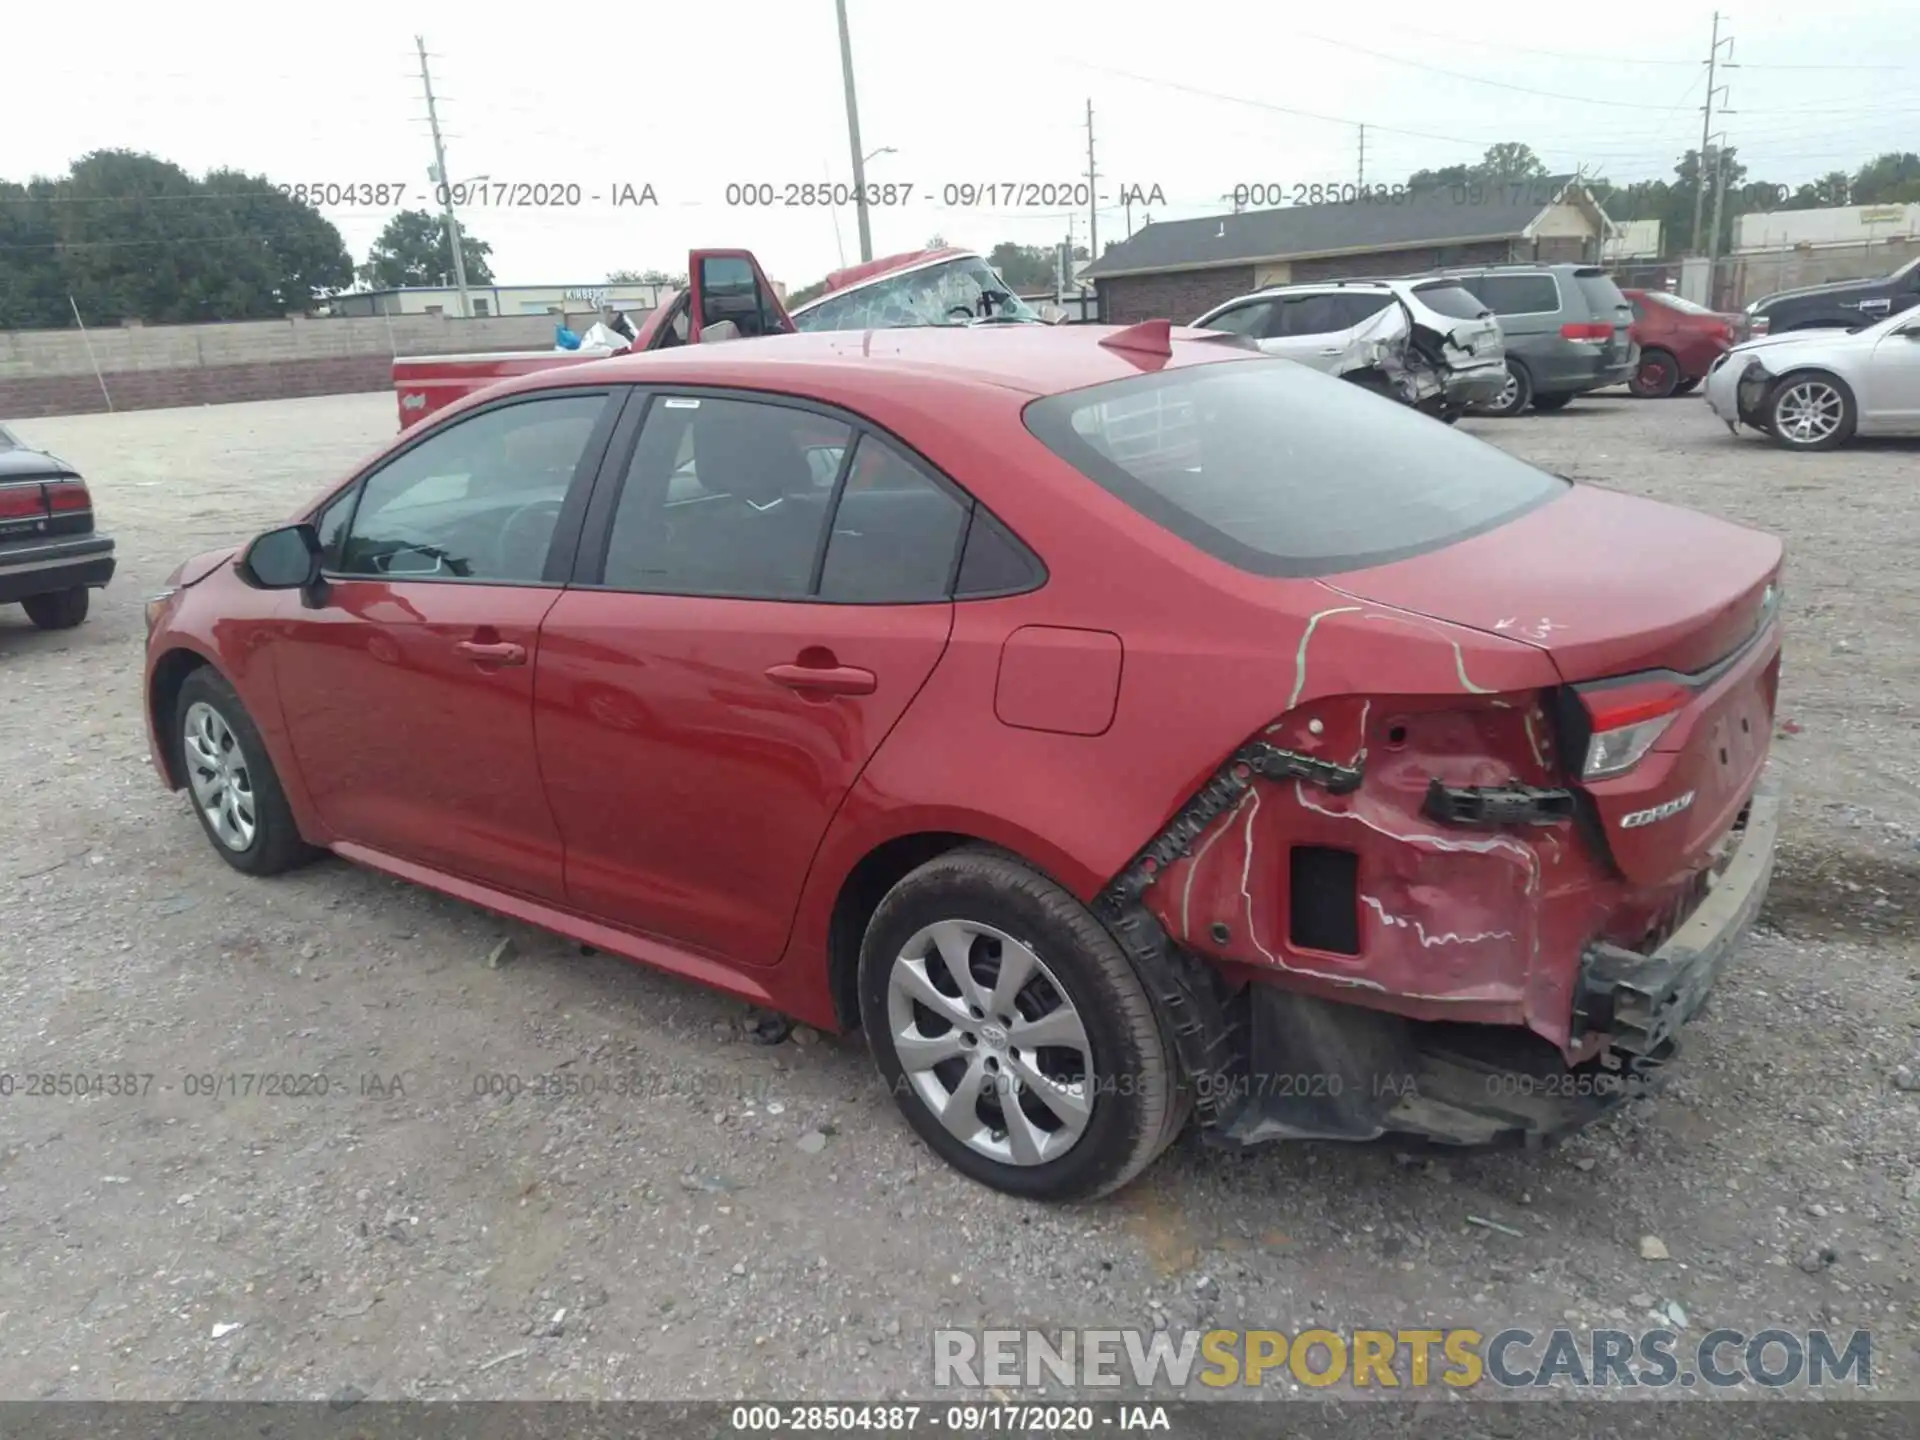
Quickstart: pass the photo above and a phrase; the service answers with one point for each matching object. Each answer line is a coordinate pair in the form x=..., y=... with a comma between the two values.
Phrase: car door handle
x=823, y=679
x=499, y=653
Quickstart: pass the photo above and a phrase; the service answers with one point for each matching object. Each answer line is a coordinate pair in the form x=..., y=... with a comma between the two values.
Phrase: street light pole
x=441, y=179
x=853, y=135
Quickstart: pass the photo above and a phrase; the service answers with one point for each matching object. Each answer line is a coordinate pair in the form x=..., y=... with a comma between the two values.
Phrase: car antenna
x=1149, y=337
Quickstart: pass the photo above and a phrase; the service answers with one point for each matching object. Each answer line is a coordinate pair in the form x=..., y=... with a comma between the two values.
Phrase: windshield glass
x=1280, y=470
x=960, y=291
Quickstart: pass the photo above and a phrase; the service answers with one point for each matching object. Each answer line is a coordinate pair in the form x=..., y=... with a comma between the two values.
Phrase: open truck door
x=728, y=287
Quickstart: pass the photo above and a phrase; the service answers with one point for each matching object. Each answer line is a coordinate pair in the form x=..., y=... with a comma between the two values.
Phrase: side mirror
x=283, y=559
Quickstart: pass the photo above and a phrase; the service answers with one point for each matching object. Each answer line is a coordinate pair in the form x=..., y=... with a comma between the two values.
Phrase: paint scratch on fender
x=1300, y=655
x=1427, y=941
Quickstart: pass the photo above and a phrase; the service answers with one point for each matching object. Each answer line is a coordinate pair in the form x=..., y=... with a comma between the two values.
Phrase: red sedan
x=1120, y=726
x=1678, y=340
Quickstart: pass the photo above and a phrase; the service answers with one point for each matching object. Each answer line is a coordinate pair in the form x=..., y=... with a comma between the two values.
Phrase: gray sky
x=693, y=98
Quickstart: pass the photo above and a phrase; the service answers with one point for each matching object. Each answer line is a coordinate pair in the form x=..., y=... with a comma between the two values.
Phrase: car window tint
x=994, y=562
x=1280, y=470
x=1360, y=305
x=477, y=500
x=1516, y=294
x=1307, y=315
x=1454, y=301
x=722, y=498
x=331, y=524
x=895, y=533
x=1242, y=319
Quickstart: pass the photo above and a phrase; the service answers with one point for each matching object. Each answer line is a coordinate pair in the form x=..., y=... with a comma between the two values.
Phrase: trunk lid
x=1607, y=584
x=1644, y=608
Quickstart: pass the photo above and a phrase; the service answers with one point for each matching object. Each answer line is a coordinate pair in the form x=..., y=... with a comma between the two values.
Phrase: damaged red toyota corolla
x=1119, y=725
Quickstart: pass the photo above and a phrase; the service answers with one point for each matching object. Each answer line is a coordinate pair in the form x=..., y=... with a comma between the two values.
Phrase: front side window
x=1280, y=470
x=477, y=500
x=1242, y=319
x=960, y=291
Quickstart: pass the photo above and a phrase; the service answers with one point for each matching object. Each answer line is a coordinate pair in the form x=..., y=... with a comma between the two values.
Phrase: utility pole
x=445, y=181
x=853, y=136
x=1363, y=156
x=1706, y=129
x=1093, y=195
x=1713, y=236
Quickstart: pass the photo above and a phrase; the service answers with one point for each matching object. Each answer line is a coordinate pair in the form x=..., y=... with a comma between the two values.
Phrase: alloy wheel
x=217, y=772
x=1808, y=411
x=990, y=1042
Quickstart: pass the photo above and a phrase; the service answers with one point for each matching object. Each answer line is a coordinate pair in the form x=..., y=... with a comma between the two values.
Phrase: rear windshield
x=1452, y=300
x=1602, y=294
x=1280, y=470
x=1678, y=302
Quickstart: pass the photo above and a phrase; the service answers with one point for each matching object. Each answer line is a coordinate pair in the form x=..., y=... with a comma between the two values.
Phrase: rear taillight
x=1758, y=327
x=64, y=497
x=1588, y=332
x=21, y=502
x=1625, y=722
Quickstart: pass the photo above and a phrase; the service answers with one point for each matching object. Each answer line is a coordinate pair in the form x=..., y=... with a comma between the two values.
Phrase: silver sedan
x=1817, y=389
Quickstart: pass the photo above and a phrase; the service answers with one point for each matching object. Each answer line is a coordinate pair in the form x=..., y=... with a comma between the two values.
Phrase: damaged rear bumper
x=1268, y=1063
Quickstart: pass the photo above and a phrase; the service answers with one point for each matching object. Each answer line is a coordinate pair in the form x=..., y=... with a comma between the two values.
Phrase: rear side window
x=1454, y=301
x=1279, y=470
x=1603, y=297
x=896, y=534
x=1308, y=315
x=1516, y=294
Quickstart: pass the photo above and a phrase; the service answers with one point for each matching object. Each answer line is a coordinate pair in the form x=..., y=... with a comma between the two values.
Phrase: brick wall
x=50, y=372
x=1181, y=295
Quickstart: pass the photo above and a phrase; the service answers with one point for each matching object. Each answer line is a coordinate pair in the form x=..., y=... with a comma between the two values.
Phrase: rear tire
x=1096, y=1089
x=1513, y=399
x=236, y=795
x=1552, y=402
x=1810, y=410
x=62, y=610
x=1656, y=377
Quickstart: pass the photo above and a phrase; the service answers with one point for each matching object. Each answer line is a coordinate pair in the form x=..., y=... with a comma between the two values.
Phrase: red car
x=1117, y=724
x=1678, y=340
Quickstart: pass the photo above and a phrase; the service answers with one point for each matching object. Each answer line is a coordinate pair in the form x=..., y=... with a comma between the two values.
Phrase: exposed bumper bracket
x=1490, y=806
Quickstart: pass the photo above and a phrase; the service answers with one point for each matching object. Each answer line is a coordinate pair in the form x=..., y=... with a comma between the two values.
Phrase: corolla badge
x=1658, y=812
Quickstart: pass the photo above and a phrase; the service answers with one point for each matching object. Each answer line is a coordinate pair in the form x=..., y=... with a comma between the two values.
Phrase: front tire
x=236, y=795
x=1810, y=410
x=61, y=610
x=1552, y=402
x=1515, y=397
x=1013, y=1031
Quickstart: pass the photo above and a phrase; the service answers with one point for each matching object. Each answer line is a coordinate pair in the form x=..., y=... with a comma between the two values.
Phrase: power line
x=1584, y=59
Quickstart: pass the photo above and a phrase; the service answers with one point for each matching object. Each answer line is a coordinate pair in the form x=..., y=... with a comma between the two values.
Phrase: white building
x=1841, y=225
x=499, y=299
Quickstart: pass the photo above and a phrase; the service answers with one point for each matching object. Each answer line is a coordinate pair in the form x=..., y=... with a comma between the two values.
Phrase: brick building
x=1178, y=269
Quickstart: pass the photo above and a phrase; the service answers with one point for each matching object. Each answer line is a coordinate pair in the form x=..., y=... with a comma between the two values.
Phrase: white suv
x=1427, y=343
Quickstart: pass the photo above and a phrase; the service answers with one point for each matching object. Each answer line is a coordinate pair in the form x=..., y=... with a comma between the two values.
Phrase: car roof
x=1032, y=360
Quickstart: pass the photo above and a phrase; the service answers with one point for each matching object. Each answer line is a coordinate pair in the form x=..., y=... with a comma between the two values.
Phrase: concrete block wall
x=49, y=372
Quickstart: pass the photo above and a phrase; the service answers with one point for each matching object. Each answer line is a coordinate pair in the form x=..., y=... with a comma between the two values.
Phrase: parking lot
x=759, y=1220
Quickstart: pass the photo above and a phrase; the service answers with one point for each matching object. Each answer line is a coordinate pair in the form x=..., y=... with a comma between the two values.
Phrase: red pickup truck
x=947, y=286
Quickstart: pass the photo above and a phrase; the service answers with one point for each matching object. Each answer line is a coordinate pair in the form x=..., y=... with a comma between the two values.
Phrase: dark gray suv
x=1568, y=330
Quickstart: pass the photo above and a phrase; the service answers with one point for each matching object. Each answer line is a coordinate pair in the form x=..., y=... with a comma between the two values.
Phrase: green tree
x=1504, y=163
x=806, y=293
x=1889, y=179
x=415, y=249
x=1833, y=188
x=130, y=236
x=647, y=277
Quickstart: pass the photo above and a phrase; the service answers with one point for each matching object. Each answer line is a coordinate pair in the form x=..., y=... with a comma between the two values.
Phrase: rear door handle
x=501, y=653
x=823, y=679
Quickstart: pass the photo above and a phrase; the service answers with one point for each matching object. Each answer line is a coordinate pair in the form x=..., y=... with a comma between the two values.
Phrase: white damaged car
x=1817, y=389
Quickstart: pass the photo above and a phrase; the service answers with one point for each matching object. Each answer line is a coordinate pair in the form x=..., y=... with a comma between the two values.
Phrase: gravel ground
x=761, y=1222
